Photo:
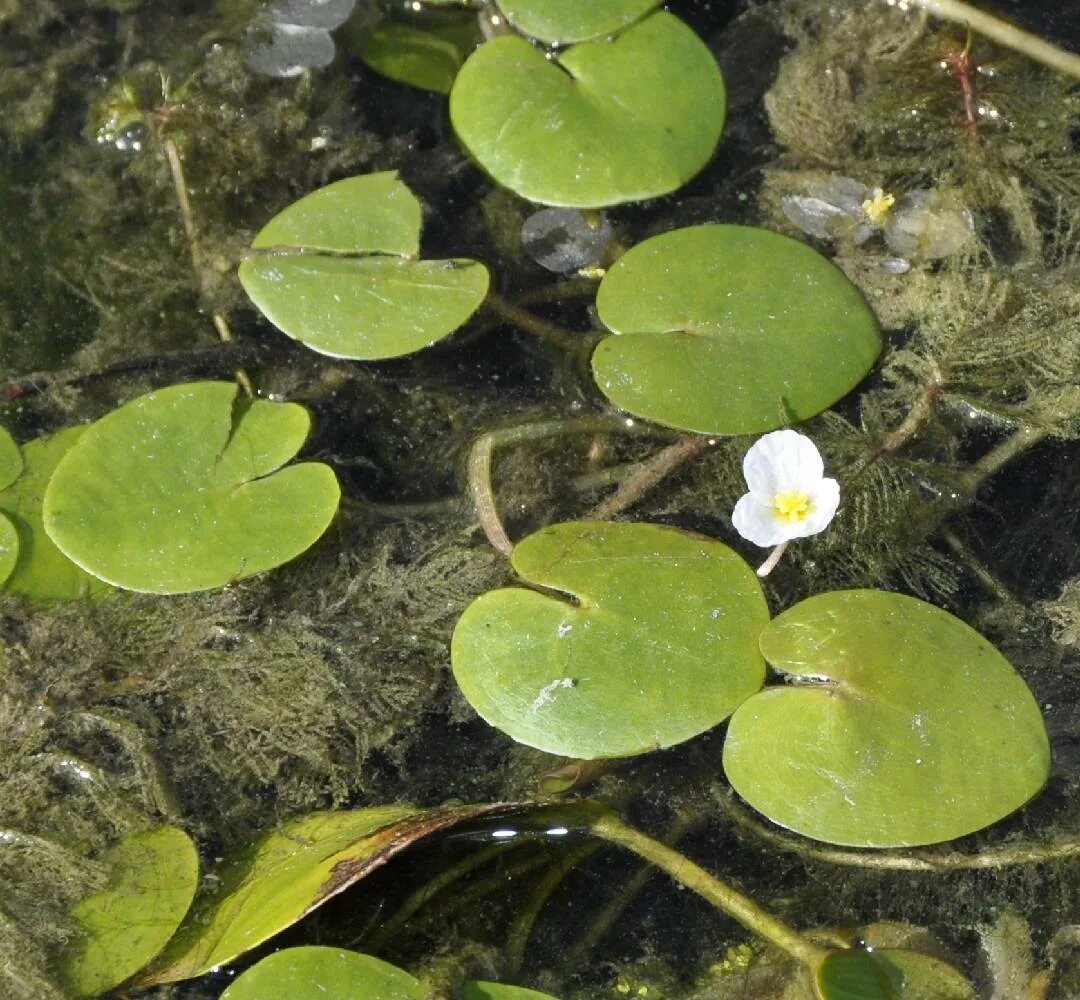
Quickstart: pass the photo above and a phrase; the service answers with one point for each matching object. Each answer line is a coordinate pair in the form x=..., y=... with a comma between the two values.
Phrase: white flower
x=789, y=495
x=920, y=225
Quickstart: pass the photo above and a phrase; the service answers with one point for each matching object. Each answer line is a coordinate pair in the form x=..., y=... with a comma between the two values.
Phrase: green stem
x=1004, y=453
x=684, y=821
x=743, y=909
x=527, y=916
x=924, y=861
x=390, y=929
x=1003, y=33
x=481, y=456
x=649, y=475
x=547, y=331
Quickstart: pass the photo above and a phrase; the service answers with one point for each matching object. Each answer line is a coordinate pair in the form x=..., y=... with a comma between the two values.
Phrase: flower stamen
x=878, y=206
x=793, y=506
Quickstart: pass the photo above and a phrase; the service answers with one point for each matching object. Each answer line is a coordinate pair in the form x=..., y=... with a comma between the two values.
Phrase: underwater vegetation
x=444, y=441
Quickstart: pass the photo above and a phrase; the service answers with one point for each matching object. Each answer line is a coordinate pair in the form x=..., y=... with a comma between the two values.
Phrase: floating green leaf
x=9, y=548
x=499, y=991
x=566, y=21
x=11, y=465
x=730, y=330
x=654, y=641
x=338, y=273
x=601, y=123
x=152, y=880
x=318, y=973
x=425, y=55
x=904, y=726
x=11, y=461
x=290, y=872
x=889, y=974
x=42, y=571
x=182, y=489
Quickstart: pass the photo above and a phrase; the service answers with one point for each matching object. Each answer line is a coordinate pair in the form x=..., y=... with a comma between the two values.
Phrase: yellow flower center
x=792, y=507
x=877, y=207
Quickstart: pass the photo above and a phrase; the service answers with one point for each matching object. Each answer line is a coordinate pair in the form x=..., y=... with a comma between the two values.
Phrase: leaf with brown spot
x=289, y=872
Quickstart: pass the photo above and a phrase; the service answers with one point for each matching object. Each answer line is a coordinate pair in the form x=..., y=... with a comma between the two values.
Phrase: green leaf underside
x=152, y=881
x=369, y=213
x=182, y=489
x=364, y=308
x=606, y=122
x=726, y=329
x=500, y=991
x=660, y=646
x=289, y=872
x=428, y=58
x=889, y=974
x=571, y=20
x=906, y=727
x=11, y=461
x=320, y=973
x=42, y=572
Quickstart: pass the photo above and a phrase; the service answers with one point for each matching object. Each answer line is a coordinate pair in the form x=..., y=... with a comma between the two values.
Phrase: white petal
x=758, y=523
x=781, y=462
x=845, y=193
x=824, y=501
x=812, y=215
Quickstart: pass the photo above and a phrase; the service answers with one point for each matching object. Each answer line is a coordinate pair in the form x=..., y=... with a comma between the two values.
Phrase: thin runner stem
x=999, y=31
x=1021, y=853
x=723, y=896
x=481, y=455
x=649, y=475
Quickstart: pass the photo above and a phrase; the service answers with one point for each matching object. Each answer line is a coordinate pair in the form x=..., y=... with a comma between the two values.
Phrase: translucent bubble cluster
x=290, y=36
x=564, y=239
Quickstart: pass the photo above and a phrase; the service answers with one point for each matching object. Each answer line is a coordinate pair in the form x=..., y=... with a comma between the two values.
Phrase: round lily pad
x=425, y=54
x=11, y=465
x=9, y=547
x=11, y=462
x=336, y=270
x=320, y=973
x=152, y=881
x=903, y=725
x=499, y=991
x=859, y=974
x=730, y=330
x=41, y=571
x=573, y=21
x=651, y=640
x=182, y=489
x=602, y=123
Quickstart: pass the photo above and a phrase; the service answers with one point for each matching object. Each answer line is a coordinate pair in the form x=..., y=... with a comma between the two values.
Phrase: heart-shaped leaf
x=500, y=991
x=182, y=490
x=601, y=123
x=904, y=726
x=565, y=21
x=730, y=330
x=11, y=461
x=41, y=571
x=338, y=273
x=654, y=641
x=888, y=974
x=152, y=881
x=425, y=54
x=288, y=873
x=9, y=547
x=319, y=973
x=11, y=466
